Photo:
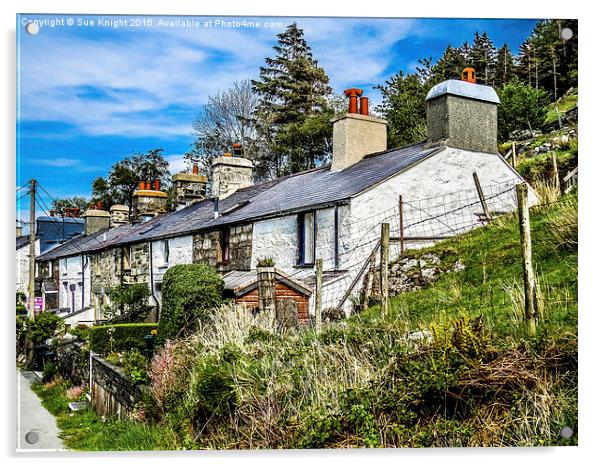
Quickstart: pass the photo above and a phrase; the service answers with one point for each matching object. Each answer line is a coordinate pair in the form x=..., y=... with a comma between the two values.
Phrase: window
x=307, y=238
x=166, y=251
x=224, y=243
x=125, y=258
x=48, y=269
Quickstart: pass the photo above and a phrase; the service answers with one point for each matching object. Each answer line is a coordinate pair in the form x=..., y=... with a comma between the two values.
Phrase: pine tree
x=292, y=88
x=481, y=57
x=450, y=65
x=504, y=67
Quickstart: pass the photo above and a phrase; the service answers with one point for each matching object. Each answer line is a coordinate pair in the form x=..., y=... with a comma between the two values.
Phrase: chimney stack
x=147, y=202
x=463, y=114
x=189, y=187
x=119, y=215
x=356, y=135
x=96, y=220
x=229, y=174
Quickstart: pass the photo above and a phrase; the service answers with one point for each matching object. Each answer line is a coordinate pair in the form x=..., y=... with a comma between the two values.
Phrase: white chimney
x=356, y=135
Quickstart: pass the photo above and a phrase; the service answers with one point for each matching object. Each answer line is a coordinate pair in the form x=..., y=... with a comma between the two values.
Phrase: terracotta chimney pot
x=353, y=94
x=364, y=106
x=195, y=168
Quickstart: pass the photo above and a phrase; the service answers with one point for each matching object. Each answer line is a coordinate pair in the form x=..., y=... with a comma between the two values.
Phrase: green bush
x=190, y=292
x=49, y=372
x=44, y=326
x=135, y=366
x=105, y=339
x=129, y=302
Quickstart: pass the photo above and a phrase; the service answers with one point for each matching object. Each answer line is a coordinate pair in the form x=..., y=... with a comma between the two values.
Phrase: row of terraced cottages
x=332, y=212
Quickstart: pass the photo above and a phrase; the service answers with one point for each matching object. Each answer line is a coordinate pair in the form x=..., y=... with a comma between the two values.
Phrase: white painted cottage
x=332, y=212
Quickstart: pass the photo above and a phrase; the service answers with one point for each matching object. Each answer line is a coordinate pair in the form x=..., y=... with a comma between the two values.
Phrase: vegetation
x=105, y=339
x=84, y=430
x=520, y=106
x=129, y=302
x=43, y=327
x=190, y=292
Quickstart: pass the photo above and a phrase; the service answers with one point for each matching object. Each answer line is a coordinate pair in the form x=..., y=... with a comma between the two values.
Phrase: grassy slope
x=565, y=104
x=492, y=257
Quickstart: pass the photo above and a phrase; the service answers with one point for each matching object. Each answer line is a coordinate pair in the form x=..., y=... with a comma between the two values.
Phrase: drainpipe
x=84, y=265
x=152, y=280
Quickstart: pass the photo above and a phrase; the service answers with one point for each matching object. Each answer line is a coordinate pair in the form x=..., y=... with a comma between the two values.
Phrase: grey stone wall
x=189, y=188
x=462, y=123
x=206, y=249
x=111, y=392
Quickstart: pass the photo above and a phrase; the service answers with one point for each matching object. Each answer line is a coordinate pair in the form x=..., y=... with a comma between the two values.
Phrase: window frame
x=126, y=252
x=224, y=246
x=302, y=260
x=166, y=252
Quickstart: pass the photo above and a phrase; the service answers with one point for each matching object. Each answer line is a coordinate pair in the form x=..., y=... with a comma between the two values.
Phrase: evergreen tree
x=291, y=88
x=450, y=65
x=481, y=57
x=521, y=106
x=504, y=68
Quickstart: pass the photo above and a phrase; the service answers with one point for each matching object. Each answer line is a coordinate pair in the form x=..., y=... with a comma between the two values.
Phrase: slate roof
x=294, y=193
x=22, y=241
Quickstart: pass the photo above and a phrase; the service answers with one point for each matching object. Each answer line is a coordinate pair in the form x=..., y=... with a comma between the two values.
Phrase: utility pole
x=32, y=247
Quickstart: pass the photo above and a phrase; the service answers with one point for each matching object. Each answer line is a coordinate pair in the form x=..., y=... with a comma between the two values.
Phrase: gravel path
x=37, y=427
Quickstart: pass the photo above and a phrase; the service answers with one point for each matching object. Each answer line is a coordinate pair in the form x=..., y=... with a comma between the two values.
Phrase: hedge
x=124, y=337
x=190, y=293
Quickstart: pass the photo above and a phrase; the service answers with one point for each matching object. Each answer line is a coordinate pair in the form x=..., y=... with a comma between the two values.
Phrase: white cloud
x=176, y=163
x=60, y=162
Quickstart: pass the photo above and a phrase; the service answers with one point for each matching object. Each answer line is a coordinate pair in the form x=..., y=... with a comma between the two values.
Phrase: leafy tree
x=61, y=205
x=291, y=88
x=125, y=175
x=227, y=118
x=403, y=106
x=520, y=106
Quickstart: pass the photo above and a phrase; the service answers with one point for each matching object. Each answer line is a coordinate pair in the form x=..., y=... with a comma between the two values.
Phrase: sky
x=94, y=89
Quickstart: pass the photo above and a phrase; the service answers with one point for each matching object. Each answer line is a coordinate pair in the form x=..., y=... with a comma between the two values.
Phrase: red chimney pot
x=141, y=185
x=99, y=205
x=147, y=185
x=364, y=106
x=195, y=168
x=353, y=94
x=157, y=185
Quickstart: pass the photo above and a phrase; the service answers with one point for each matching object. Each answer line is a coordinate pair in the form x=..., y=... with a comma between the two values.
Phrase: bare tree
x=226, y=119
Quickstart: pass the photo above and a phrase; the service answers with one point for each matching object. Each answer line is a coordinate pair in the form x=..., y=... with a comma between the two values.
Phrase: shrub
x=190, y=292
x=105, y=339
x=44, y=326
x=135, y=366
x=168, y=374
x=49, y=372
x=265, y=262
x=129, y=302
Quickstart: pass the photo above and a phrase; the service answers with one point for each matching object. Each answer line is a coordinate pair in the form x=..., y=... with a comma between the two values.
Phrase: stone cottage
x=332, y=212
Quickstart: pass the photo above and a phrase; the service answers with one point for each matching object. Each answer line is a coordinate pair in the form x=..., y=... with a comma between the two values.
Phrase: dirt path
x=37, y=429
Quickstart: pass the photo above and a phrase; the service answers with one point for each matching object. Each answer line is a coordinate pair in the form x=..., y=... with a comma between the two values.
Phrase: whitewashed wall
x=22, y=266
x=72, y=273
x=180, y=252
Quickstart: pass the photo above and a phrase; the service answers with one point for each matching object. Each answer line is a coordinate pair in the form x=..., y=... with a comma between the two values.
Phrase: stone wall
x=111, y=391
x=206, y=249
x=139, y=264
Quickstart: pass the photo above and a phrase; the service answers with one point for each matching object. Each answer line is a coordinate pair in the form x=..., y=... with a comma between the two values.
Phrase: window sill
x=304, y=266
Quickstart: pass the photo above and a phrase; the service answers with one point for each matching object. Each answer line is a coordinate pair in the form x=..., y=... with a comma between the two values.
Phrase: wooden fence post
x=513, y=154
x=481, y=196
x=318, y=294
x=400, y=226
x=555, y=175
x=384, y=268
x=369, y=283
x=522, y=195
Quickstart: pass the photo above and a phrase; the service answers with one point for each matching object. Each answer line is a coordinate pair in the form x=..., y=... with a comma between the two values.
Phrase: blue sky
x=90, y=94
